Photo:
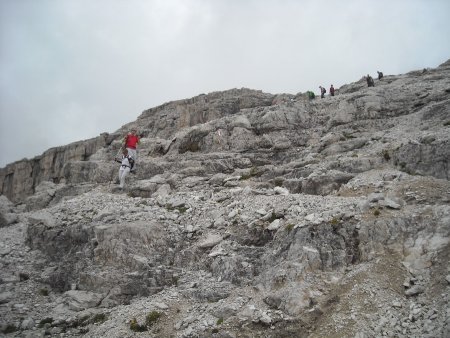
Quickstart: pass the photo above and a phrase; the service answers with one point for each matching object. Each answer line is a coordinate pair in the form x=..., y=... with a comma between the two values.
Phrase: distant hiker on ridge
x=126, y=164
x=130, y=142
x=322, y=92
x=370, y=82
x=380, y=75
x=332, y=90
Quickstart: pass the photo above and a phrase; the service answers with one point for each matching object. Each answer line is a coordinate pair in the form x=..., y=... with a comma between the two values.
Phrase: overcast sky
x=72, y=69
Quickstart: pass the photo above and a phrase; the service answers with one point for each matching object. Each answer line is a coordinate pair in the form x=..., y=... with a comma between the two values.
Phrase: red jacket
x=131, y=141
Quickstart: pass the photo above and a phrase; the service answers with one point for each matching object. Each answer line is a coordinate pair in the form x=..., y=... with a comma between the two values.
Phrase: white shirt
x=125, y=162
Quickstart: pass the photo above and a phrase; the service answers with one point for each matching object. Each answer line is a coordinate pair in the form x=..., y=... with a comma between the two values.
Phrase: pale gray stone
x=210, y=241
x=415, y=290
x=375, y=197
x=275, y=225
x=78, y=300
x=281, y=191
x=6, y=297
x=391, y=204
x=27, y=324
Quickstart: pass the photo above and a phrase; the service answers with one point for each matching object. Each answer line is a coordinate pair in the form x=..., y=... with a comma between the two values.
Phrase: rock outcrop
x=250, y=215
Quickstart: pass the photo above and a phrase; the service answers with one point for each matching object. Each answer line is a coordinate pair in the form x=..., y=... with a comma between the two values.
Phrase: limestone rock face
x=19, y=179
x=7, y=212
x=166, y=120
x=250, y=215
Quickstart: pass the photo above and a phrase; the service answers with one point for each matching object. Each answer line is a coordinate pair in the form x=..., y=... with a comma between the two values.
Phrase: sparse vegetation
x=254, y=171
x=136, y=327
x=278, y=181
x=152, y=317
x=81, y=321
x=334, y=221
x=347, y=135
x=289, y=227
x=310, y=95
x=219, y=321
x=181, y=209
x=386, y=155
x=43, y=292
x=245, y=177
x=99, y=318
x=376, y=212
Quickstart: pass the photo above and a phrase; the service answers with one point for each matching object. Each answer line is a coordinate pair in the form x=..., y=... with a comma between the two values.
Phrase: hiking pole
x=116, y=157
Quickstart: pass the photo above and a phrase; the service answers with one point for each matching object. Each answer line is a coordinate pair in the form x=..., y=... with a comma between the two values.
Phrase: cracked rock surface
x=250, y=215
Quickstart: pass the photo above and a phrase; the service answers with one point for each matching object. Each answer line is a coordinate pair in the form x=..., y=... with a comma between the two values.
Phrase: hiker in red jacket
x=130, y=142
x=332, y=90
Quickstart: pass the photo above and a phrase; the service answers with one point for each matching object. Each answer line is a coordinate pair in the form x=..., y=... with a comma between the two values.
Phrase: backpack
x=131, y=161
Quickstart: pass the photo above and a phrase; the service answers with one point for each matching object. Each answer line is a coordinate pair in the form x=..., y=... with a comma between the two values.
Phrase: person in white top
x=126, y=164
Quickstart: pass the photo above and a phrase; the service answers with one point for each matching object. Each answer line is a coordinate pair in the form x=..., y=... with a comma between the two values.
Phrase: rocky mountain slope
x=251, y=215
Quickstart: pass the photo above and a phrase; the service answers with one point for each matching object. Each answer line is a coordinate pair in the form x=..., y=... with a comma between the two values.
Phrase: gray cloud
x=70, y=70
